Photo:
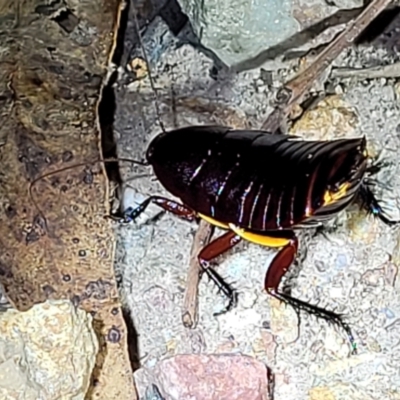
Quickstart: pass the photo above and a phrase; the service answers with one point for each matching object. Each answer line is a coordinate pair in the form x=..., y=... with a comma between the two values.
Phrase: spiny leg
x=371, y=204
x=280, y=264
x=376, y=166
x=131, y=214
x=367, y=197
x=214, y=249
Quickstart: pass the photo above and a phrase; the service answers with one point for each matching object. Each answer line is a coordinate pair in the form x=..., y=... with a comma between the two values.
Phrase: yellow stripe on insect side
x=213, y=221
x=262, y=240
x=330, y=196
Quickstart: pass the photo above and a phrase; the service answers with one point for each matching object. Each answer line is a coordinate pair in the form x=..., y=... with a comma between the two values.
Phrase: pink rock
x=211, y=377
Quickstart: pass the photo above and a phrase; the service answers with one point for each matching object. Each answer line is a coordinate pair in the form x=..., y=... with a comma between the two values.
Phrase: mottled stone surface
x=331, y=118
x=240, y=29
x=350, y=269
x=46, y=353
x=211, y=377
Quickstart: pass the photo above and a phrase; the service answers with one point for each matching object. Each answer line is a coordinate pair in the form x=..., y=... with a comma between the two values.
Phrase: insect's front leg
x=131, y=214
x=279, y=266
x=371, y=204
x=214, y=249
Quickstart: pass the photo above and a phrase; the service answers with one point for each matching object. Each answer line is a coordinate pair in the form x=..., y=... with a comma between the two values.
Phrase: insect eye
x=128, y=210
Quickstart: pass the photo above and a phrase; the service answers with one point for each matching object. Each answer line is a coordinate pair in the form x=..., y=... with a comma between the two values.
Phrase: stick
x=293, y=92
x=382, y=71
x=190, y=306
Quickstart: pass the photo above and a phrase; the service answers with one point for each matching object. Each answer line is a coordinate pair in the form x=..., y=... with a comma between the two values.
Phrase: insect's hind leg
x=279, y=266
x=214, y=249
x=131, y=214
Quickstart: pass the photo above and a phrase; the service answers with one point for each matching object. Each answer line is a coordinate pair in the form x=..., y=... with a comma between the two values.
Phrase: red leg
x=214, y=249
x=279, y=266
x=175, y=208
x=217, y=247
x=130, y=214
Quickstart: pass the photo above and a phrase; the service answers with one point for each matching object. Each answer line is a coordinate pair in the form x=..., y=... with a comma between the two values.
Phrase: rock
x=331, y=118
x=47, y=352
x=321, y=393
x=284, y=321
x=211, y=377
x=240, y=29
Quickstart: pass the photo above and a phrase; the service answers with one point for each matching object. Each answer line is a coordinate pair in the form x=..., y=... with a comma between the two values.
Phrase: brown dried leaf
x=53, y=59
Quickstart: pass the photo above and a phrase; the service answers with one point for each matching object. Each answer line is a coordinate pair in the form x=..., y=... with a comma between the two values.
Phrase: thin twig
x=381, y=71
x=189, y=312
x=293, y=92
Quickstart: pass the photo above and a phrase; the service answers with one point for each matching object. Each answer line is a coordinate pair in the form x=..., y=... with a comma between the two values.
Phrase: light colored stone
x=284, y=322
x=239, y=29
x=321, y=393
x=46, y=353
x=331, y=118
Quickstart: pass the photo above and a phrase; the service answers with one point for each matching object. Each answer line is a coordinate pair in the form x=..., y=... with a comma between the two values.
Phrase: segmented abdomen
x=257, y=180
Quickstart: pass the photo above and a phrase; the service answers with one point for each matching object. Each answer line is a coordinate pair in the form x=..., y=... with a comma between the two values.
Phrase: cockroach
x=261, y=187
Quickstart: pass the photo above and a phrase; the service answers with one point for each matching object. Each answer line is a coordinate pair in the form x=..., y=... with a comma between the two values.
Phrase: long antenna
x=153, y=87
x=82, y=164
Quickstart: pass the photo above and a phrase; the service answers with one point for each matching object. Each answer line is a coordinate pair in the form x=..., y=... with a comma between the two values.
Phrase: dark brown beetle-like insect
x=260, y=187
